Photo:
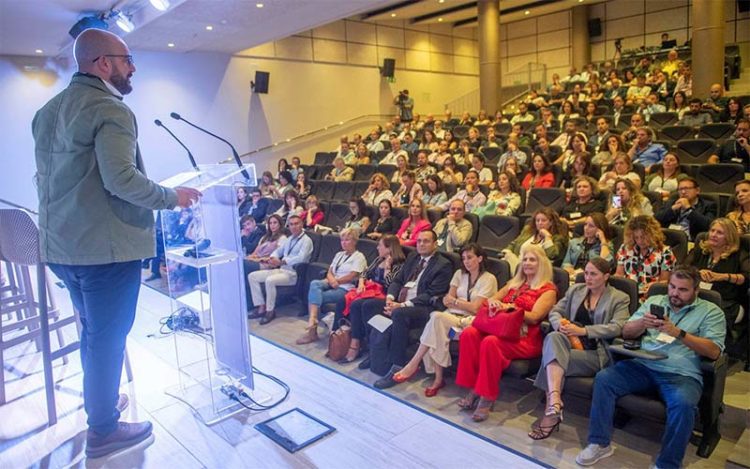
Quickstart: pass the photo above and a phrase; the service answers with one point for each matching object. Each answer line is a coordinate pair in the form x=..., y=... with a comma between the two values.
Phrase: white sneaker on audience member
x=593, y=453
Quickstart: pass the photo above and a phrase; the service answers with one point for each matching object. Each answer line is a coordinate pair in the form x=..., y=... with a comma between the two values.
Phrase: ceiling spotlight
x=440, y=20
x=39, y=51
x=258, y=5
x=393, y=15
x=441, y=1
x=123, y=22
x=161, y=5
x=527, y=12
x=171, y=44
x=209, y=28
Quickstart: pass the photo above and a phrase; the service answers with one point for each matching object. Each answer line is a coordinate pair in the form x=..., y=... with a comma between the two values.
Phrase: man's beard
x=121, y=83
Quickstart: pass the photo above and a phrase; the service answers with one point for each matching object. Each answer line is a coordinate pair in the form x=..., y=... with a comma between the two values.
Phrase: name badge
x=675, y=226
x=736, y=160
x=574, y=215
x=662, y=337
x=440, y=241
x=706, y=285
x=410, y=284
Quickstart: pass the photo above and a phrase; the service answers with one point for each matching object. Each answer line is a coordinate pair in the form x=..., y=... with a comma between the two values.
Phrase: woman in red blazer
x=416, y=221
x=541, y=174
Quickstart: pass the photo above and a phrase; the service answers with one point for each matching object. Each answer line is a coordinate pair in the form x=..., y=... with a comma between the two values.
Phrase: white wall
x=213, y=91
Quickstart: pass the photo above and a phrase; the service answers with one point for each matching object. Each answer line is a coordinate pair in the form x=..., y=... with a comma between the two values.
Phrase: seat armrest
x=712, y=366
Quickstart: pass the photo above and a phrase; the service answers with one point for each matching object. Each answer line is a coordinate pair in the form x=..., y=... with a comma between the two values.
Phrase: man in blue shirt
x=645, y=152
x=691, y=328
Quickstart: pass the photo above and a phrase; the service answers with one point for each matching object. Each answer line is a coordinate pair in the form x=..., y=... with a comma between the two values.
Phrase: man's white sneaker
x=593, y=453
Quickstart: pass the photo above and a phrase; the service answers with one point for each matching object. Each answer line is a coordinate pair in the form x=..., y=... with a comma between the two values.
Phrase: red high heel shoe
x=433, y=390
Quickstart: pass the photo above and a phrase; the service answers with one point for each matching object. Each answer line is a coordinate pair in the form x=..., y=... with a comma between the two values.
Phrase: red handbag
x=372, y=290
x=505, y=324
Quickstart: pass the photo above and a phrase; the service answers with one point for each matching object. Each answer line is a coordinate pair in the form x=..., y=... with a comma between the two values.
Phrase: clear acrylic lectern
x=204, y=270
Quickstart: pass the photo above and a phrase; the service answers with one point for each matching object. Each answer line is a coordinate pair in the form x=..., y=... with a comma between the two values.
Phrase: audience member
x=313, y=214
x=340, y=171
x=292, y=206
x=409, y=190
x=505, y=199
x=441, y=154
x=731, y=113
x=590, y=314
x=695, y=117
x=385, y=224
x=544, y=229
x=599, y=140
x=716, y=101
x=735, y=150
x=259, y=205
x=483, y=356
x=402, y=166
x=450, y=174
x=643, y=256
x=302, y=187
x=563, y=140
x=741, y=213
x=266, y=186
x=596, y=241
x=423, y=169
x=540, y=175
x=415, y=292
x=470, y=287
x=485, y=174
x=362, y=155
x=666, y=178
x=435, y=195
x=250, y=234
x=581, y=167
x=583, y=202
x=512, y=151
x=342, y=274
x=453, y=231
x=297, y=249
x=377, y=277
x=244, y=200
x=627, y=202
x=470, y=194
x=691, y=328
x=644, y=151
x=679, y=104
x=687, y=211
x=395, y=152
x=522, y=115
x=621, y=168
x=414, y=223
x=724, y=268
x=375, y=144
x=346, y=154
x=378, y=190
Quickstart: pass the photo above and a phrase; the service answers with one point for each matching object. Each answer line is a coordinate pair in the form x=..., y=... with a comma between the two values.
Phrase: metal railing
x=15, y=205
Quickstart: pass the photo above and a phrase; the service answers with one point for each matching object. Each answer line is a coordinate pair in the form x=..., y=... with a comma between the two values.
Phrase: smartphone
x=657, y=311
x=616, y=201
x=632, y=344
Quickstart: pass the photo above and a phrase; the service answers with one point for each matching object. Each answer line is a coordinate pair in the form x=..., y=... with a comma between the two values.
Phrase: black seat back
x=497, y=232
x=540, y=197
x=330, y=244
x=678, y=241
x=343, y=191
x=695, y=151
x=337, y=215
x=719, y=177
x=675, y=133
x=718, y=132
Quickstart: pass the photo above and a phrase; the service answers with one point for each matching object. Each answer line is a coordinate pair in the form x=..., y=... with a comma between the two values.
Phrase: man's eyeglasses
x=128, y=58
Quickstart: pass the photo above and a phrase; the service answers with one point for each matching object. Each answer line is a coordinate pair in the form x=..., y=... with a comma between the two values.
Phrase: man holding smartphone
x=682, y=328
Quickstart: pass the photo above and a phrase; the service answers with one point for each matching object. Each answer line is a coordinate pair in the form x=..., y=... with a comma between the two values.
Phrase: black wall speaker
x=595, y=27
x=389, y=67
x=743, y=6
x=260, y=85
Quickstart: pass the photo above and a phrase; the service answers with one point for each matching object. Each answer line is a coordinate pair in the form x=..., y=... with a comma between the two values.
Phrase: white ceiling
x=27, y=25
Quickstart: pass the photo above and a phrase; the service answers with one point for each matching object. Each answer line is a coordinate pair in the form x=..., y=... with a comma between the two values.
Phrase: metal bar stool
x=19, y=246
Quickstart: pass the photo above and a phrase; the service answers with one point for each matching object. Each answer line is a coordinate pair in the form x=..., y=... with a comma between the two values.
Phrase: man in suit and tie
x=259, y=208
x=417, y=290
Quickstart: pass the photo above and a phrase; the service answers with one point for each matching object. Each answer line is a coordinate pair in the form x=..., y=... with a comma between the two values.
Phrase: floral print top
x=645, y=266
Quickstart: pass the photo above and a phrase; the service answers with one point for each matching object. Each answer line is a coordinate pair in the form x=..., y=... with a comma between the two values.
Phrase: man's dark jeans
x=105, y=297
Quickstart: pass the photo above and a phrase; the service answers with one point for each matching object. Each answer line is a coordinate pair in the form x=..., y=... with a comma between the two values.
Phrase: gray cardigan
x=610, y=314
x=95, y=202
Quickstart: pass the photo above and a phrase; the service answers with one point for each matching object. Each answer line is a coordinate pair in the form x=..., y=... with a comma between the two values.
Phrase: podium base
x=210, y=404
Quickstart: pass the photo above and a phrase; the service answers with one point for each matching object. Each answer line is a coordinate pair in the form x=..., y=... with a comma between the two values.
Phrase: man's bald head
x=105, y=55
x=94, y=43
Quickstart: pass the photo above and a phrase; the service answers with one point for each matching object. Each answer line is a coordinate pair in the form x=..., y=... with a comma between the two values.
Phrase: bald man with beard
x=96, y=221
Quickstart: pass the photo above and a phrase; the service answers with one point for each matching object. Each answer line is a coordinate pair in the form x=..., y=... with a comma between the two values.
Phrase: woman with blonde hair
x=470, y=287
x=643, y=256
x=627, y=202
x=482, y=355
x=414, y=223
x=741, y=214
x=725, y=267
x=378, y=190
x=402, y=167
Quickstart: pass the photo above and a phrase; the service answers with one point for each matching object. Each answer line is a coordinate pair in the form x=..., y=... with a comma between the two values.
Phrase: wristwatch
x=682, y=334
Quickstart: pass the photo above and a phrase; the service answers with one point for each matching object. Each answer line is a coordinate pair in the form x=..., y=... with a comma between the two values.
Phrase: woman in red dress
x=483, y=357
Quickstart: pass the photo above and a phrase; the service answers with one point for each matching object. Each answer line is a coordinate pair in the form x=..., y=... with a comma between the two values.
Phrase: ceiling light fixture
x=441, y=1
x=209, y=28
x=393, y=15
x=161, y=5
x=171, y=44
x=123, y=22
x=527, y=12
x=258, y=5
x=440, y=20
x=88, y=22
x=39, y=51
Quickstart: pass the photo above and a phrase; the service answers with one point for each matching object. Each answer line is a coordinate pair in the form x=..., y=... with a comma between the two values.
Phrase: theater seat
x=719, y=177
x=695, y=151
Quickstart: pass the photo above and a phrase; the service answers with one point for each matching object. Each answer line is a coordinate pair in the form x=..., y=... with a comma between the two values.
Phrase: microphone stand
x=190, y=155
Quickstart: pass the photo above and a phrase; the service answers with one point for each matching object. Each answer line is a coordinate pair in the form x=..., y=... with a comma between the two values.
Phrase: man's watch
x=682, y=334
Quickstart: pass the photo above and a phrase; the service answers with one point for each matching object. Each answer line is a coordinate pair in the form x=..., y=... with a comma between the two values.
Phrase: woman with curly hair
x=627, y=202
x=643, y=256
x=545, y=229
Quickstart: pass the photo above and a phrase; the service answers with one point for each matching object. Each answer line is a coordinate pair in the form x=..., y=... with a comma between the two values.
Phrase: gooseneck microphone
x=176, y=116
x=190, y=155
